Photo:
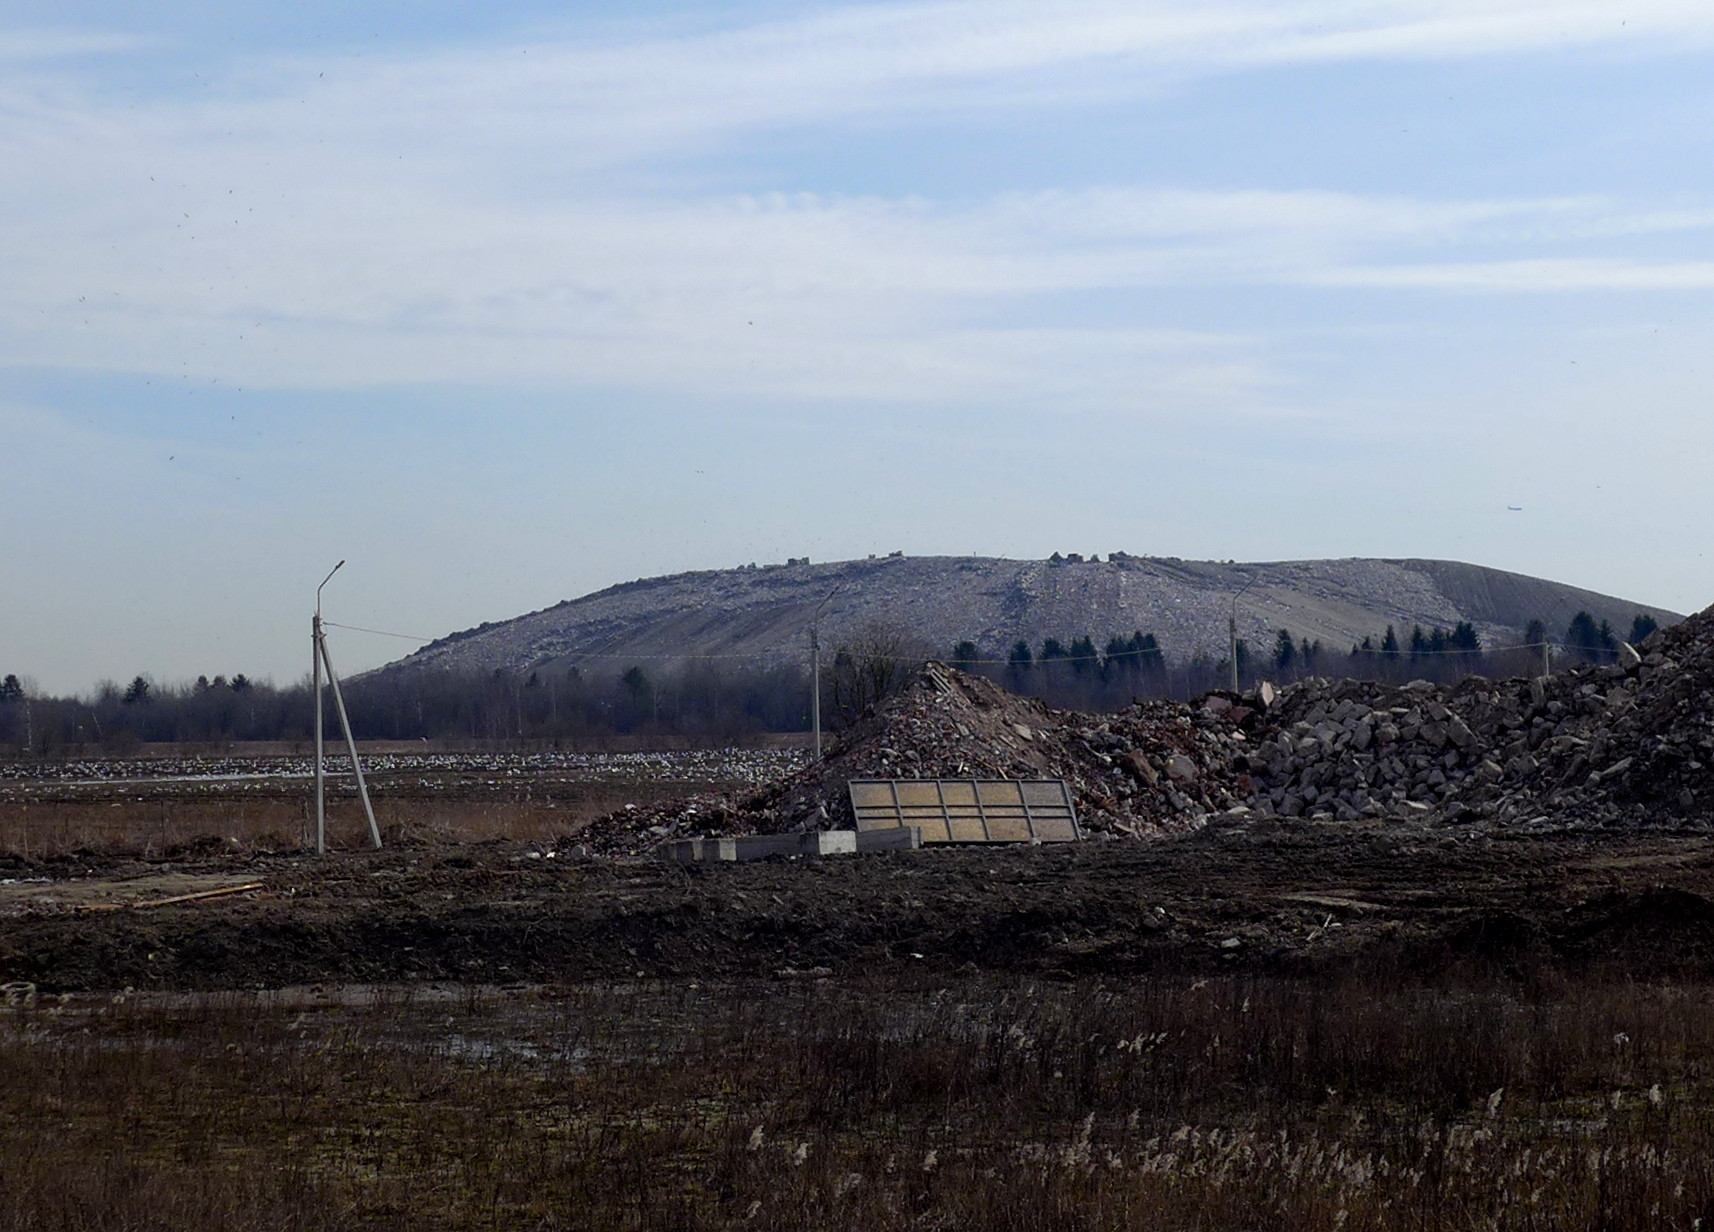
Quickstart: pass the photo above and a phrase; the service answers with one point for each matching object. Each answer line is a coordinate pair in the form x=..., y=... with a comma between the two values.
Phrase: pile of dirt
x=1156, y=768
x=1620, y=744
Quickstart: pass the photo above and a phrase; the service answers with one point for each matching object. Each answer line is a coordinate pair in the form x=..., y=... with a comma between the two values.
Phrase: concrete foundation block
x=761, y=846
x=682, y=851
x=895, y=838
x=830, y=843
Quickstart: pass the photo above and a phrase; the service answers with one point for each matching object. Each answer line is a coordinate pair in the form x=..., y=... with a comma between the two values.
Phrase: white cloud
x=22, y=46
x=908, y=58
x=445, y=217
x=581, y=103
x=1533, y=276
x=323, y=270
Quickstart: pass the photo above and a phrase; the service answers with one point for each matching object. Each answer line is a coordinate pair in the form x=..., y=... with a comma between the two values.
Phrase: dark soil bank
x=1286, y=897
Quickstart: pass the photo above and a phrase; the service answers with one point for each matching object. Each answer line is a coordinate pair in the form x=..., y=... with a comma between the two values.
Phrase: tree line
x=1073, y=673
x=564, y=707
x=710, y=702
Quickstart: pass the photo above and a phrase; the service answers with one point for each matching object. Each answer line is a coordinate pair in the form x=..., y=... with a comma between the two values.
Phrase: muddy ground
x=1280, y=896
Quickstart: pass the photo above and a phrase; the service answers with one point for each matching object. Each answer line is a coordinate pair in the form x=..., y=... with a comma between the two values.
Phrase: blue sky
x=506, y=303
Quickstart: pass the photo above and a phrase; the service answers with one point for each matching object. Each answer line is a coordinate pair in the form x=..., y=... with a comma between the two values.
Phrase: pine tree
x=1084, y=660
x=1119, y=660
x=1149, y=655
x=1583, y=635
x=1463, y=639
x=1018, y=665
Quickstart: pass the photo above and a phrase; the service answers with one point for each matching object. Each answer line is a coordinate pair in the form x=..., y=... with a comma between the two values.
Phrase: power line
x=406, y=637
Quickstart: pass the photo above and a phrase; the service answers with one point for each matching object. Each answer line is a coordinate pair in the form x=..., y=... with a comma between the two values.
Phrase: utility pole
x=321, y=660
x=315, y=673
x=815, y=694
x=815, y=667
x=1232, y=633
x=1546, y=661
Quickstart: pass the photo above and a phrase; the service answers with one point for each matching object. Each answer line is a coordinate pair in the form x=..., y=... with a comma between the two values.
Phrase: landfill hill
x=1627, y=744
x=762, y=613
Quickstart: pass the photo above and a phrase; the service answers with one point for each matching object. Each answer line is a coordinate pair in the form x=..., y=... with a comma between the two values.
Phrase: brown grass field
x=977, y=1103
x=151, y=828
x=1275, y=1027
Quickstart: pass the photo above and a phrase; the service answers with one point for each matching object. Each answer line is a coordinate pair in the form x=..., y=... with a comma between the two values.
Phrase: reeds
x=981, y=1104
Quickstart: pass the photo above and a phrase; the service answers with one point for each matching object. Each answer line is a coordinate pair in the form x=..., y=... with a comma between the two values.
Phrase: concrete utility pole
x=321, y=660
x=1232, y=633
x=815, y=693
x=315, y=675
x=815, y=667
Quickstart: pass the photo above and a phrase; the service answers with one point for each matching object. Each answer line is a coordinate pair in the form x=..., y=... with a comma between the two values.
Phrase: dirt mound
x=1156, y=768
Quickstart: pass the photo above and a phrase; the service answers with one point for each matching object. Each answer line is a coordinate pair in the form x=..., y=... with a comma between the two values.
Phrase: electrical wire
x=407, y=637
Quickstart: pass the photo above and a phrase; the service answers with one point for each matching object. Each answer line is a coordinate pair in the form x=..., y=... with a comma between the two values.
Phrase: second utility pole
x=1232, y=633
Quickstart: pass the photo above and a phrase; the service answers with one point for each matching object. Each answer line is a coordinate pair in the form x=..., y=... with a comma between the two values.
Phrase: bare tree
x=870, y=665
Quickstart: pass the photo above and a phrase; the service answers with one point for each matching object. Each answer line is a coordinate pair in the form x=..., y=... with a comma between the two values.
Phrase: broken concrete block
x=1181, y=768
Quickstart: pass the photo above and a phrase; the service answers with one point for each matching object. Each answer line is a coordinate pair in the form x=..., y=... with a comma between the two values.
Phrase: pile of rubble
x=1158, y=767
x=1628, y=743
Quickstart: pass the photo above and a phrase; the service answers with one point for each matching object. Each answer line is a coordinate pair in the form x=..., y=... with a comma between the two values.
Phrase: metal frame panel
x=969, y=810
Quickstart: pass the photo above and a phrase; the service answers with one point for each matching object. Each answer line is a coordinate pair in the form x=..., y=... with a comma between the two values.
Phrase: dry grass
x=41, y=830
x=1237, y=1103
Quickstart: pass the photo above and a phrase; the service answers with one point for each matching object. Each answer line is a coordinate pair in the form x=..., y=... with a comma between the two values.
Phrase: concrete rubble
x=1624, y=744
x=1155, y=768
x=1628, y=743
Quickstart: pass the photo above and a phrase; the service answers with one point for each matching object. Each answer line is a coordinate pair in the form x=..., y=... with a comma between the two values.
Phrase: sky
x=505, y=303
